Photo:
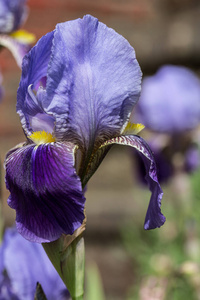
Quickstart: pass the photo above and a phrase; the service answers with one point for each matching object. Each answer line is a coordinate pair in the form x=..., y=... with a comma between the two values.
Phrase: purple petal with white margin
x=45, y=191
x=93, y=81
x=154, y=217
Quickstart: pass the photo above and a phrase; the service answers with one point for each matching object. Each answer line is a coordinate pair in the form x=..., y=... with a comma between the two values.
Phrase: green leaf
x=94, y=286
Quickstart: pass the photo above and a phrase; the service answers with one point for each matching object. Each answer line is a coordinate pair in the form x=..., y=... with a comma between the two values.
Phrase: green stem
x=74, y=266
x=68, y=257
x=77, y=298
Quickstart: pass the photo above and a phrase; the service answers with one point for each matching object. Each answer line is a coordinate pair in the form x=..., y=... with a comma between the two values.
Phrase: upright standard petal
x=93, y=81
x=34, y=70
x=154, y=217
x=44, y=190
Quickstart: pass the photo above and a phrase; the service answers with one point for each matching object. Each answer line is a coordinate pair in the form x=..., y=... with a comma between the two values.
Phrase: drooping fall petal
x=154, y=217
x=44, y=190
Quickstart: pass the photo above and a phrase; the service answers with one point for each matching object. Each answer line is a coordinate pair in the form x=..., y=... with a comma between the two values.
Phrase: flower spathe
x=79, y=84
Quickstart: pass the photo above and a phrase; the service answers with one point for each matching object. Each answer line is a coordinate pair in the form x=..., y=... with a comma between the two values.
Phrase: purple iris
x=78, y=87
x=1, y=89
x=170, y=100
x=22, y=265
x=12, y=15
x=169, y=107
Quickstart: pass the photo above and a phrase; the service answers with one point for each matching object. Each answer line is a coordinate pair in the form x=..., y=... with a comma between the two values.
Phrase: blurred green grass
x=167, y=260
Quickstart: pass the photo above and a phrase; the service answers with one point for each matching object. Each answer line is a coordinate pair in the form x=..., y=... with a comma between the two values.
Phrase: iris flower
x=78, y=87
x=1, y=89
x=169, y=107
x=13, y=14
x=170, y=100
x=22, y=265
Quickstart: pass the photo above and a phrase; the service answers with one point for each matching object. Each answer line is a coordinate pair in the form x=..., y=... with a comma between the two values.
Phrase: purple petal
x=45, y=191
x=34, y=71
x=26, y=264
x=192, y=158
x=164, y=166
x=41, y=122
x=169, y=100
x=12, y=14
x=154, y=217
x=1, y=89
x=93, y=81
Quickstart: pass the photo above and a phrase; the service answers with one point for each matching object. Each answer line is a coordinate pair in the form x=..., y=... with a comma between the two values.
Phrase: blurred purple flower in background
x=170, y=100
x=1, y=89
x=169, y=107
x=13, y=14
x=78, y=87
x=22, y=265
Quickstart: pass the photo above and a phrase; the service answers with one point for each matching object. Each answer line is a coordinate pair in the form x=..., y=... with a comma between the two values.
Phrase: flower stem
x=68, y=257
x=78, y=298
